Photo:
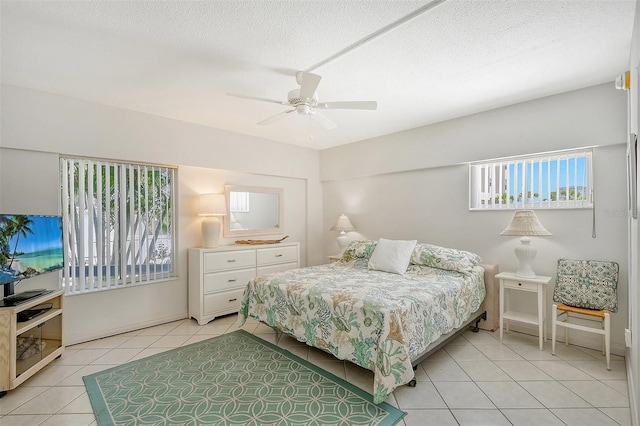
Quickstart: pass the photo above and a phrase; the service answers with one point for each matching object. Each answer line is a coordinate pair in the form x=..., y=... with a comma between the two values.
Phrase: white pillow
x=392, y=255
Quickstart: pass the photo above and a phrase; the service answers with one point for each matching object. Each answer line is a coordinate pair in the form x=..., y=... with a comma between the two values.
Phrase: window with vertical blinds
x=555, y=180
x=118, y=224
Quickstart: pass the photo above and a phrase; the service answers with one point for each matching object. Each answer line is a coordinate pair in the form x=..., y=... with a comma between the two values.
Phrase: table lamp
x=343, y=225
x=211, y=206
x=525, y=223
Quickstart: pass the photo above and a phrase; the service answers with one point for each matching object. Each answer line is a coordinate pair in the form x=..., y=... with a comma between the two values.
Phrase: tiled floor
x=475, y=380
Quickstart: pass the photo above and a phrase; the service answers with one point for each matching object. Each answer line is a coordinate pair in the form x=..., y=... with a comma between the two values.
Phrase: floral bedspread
x=377, y=320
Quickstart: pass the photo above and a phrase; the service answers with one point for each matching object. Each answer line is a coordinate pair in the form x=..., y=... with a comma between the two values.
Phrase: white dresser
x=218, y=276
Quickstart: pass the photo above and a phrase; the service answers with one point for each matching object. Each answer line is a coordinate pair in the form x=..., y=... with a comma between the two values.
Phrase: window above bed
x=551, y=180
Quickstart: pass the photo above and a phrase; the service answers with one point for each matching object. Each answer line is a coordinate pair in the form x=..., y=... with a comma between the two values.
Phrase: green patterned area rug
x=233, y=379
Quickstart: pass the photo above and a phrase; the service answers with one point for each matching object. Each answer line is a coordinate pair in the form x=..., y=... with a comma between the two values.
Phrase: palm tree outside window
x=118, y=224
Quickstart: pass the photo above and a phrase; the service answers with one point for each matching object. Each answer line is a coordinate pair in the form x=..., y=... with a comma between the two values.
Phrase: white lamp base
x=210, y=231
x=343, y=240
x=525, y=253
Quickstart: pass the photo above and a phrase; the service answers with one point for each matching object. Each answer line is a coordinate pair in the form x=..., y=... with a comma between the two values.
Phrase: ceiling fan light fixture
x=303, y=109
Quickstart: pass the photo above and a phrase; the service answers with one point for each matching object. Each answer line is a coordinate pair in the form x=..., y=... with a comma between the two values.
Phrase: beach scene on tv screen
x=29, y=245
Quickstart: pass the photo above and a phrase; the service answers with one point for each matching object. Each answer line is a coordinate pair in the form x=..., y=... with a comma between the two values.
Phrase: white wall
x=37, y=127
x=546, y=124
x=421, y=191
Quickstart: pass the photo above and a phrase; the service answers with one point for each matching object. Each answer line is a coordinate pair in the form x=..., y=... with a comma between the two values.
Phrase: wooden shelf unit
x=46, y=327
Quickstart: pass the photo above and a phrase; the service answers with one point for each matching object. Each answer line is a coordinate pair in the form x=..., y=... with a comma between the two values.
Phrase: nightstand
x=509, y=281
x=334, y=257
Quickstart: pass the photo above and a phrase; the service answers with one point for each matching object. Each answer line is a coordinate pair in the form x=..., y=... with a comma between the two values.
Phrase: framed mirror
x=253, y=211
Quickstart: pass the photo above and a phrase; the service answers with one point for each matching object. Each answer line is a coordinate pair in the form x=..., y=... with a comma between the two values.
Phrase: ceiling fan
x=305, y=100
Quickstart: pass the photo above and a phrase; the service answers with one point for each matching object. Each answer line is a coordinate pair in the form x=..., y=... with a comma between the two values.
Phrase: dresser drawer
x=520, y=285
x=227, y=280
x=262, y=270
x=269, y=256
x=224, y=302
x=237, y=259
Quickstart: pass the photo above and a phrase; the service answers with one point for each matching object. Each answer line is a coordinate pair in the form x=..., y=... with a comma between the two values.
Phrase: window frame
x=113, y=255
x=544, y=167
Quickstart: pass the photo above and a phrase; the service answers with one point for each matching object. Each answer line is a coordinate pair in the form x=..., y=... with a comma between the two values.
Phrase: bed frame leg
x=476, y=327
x=413, y=382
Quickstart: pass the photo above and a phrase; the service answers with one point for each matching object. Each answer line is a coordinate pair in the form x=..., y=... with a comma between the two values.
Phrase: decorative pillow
x=444, y=258
x=590, y=284
x=392, y=255
x=359, y=250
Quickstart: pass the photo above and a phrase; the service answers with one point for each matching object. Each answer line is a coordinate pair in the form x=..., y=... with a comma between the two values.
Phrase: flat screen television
x=30, y=245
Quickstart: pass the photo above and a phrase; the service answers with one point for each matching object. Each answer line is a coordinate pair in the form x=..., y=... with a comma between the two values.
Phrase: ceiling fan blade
x=349, y=105
x=323, y=120
x=308, y=84
x=276, y=117
x=255, y=98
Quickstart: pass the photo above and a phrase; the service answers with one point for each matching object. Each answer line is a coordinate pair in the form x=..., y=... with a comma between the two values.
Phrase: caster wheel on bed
x=412, y=383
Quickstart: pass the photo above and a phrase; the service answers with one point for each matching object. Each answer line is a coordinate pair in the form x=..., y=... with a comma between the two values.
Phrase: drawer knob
x=231, y=260
x=519, y=283
x=231, y=280
x=278, y=255
x=233, y=300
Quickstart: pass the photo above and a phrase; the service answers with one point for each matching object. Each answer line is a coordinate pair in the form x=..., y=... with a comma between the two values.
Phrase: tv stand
x=30, y=345
x=23, y=297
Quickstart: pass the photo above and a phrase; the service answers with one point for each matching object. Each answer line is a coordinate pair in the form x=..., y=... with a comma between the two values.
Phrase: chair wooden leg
x=607, y=339
x=554, y=322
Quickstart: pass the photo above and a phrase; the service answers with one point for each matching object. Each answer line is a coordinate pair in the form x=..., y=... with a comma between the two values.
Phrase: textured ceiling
x=179, y=59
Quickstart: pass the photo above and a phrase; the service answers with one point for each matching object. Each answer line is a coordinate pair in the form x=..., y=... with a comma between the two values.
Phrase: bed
x=383, y=321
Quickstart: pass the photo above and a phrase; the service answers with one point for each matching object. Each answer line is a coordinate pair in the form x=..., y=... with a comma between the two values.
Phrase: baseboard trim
x=81, y=338
x=576, y=338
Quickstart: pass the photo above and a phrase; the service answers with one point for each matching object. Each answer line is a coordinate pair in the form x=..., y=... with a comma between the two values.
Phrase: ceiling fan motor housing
x=305, y=98
x=302, y=106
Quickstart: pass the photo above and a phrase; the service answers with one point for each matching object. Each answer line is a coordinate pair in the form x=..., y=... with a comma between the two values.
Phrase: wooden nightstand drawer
x=224, y=302
x=237, y=259
x=270, y=256
x=520, y=285
x=220, y=281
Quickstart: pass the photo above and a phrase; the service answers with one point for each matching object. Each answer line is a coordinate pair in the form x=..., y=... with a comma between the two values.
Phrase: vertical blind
x=544, y=181
x=238, y=202
x=118, y=224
